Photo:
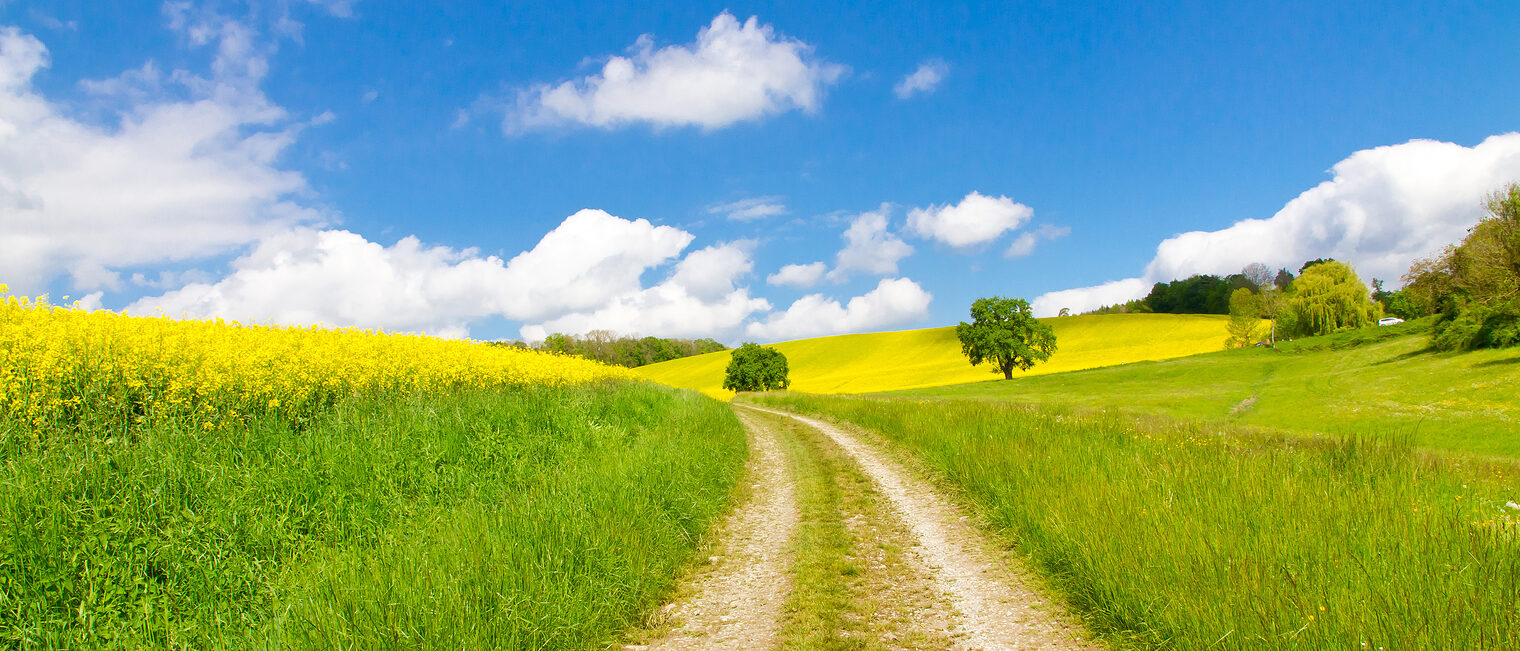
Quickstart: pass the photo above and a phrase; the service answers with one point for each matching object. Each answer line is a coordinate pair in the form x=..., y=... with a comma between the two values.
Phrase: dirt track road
x=949, y=587
x=737, y=603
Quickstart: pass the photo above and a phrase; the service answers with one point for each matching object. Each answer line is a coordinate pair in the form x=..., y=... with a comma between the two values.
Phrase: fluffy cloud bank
x=922, y=80
x=733, y=72
x=583, y=275
x=174, y=180
x=1383, y=208
x=894, y=301
x=975, y=220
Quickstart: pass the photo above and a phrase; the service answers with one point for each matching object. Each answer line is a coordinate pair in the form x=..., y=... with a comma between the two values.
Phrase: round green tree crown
x=1003, y=331
x=756, y=368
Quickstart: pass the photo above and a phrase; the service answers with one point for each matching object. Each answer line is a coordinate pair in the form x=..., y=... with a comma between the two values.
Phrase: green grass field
x=886, y=361
x=1374, y=382
x=1168, y=533
x=531, y=517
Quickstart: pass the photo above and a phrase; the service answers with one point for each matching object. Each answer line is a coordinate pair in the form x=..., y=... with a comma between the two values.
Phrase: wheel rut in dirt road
x=993, y=607
x=737, y=603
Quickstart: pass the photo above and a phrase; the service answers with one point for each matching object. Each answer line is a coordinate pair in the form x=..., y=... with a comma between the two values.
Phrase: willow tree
x=1330, y=297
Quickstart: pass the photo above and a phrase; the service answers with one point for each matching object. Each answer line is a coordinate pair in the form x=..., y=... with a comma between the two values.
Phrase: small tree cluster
x=610, y=348
x=1205, y=293
x=1329, y=297
x=756, y=368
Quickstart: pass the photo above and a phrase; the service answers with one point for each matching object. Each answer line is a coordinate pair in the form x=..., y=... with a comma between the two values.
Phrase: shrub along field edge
x=1173, y=533
x=509, y=517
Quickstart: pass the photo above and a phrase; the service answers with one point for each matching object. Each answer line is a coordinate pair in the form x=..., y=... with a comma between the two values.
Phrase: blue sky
x=362, y=163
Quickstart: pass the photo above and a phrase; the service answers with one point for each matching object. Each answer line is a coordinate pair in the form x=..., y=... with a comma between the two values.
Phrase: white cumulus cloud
x=975, y=220
x=734, y=72
x=798, y=275
x=583, y=275
x=1382, y=208
x=869, y=247
x=698, y=299
x=584, y=262
x=922, y=80
x=750, y=209
x=340, y=278
x=172, y=180
x=894, y=301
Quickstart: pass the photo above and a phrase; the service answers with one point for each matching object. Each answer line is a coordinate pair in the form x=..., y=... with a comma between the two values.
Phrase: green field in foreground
x=529, y=517
x=1183, y=534
x=1373, y=382
x=885, y=361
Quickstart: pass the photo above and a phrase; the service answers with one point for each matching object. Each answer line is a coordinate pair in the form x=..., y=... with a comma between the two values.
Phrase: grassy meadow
x=207, y=485
x=908, y=359
x=1383, y=382
x=1187, y=534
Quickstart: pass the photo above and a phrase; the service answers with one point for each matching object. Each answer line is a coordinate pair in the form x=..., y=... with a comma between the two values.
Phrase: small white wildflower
x=1512, y=505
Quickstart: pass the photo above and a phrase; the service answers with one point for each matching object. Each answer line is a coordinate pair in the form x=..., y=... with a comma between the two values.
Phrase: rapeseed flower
x=63, y=368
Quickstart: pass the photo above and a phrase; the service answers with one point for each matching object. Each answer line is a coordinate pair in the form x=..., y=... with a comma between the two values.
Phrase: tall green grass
x=1182, y=534
x=534, y=517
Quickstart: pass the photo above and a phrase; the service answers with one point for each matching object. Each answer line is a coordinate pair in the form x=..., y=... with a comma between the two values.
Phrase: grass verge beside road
x=1190, y=535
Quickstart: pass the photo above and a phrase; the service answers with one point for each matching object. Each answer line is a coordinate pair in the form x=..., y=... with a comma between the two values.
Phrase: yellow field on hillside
x=887, y=361
x=61, y=366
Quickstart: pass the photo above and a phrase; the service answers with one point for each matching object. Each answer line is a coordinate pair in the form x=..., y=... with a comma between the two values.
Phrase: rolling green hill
x=886, y=361
x=1378, y=382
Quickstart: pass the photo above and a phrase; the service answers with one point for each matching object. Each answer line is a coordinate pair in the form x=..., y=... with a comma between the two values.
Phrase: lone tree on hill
x=756, y=368
x=1004, y=332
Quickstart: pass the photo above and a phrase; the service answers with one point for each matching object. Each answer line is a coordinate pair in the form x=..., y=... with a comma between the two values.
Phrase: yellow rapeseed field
x=64, y=368
x=910, y=359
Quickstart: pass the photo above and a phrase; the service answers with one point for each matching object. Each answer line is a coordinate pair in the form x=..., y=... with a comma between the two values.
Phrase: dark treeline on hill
x=608, y=347
x=1203, y=293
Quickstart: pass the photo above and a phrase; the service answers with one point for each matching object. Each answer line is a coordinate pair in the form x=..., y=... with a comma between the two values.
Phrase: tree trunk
x=1007, y=371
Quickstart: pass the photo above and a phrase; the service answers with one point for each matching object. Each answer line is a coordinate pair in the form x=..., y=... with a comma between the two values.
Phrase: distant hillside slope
x=910, y=359
x=1372, y=382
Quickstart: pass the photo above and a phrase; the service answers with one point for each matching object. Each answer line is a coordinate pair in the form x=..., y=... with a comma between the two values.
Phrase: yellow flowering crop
x=63, y=368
